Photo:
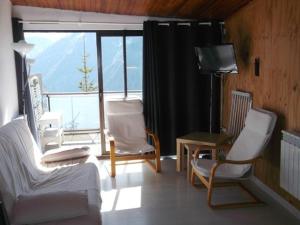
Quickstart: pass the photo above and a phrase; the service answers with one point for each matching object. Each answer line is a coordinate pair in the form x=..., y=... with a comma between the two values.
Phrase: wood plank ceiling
x=193, y=9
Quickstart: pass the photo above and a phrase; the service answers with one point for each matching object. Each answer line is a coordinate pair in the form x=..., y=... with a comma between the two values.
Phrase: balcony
x=81, y=117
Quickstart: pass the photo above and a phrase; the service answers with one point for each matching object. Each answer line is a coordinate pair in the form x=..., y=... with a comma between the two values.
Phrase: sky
x=50, y=37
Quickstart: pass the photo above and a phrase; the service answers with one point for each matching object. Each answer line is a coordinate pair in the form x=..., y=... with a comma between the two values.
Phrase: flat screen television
x=217, y=58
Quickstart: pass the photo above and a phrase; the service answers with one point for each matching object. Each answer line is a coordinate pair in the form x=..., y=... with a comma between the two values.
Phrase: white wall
x=8, y=84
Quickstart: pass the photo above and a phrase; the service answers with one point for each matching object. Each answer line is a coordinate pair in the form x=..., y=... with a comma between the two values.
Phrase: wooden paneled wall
x=270, y=30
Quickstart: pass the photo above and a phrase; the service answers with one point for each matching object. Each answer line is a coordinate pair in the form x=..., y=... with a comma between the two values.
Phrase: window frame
x=115, y=33
x=99, y=34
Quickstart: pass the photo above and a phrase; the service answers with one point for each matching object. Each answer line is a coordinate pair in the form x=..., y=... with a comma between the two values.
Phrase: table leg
x=179, y=154
x=188, y=165
x=214, y=154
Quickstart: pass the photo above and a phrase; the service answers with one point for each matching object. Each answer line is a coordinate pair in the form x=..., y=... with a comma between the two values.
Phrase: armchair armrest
x=238, y=161
x=197, y=153
x=109, y=136
x=226, y=147
x=106, y=131
x=150, y=132
x=154, y=138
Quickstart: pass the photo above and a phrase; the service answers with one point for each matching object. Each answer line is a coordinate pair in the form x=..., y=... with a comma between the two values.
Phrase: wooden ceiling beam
x=192, y=9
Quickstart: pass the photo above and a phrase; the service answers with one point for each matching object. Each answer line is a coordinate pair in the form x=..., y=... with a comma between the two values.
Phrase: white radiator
x=241, y=103
x=290, y=163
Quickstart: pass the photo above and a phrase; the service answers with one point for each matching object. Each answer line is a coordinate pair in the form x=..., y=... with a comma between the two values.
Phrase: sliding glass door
x=80, y=70
x=121, y=65
x=66, y=65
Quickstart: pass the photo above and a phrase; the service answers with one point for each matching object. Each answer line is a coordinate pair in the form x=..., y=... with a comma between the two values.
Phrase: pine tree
x=86, y=85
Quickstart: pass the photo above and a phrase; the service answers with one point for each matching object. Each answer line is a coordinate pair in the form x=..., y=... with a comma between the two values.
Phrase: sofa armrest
x=54, y=206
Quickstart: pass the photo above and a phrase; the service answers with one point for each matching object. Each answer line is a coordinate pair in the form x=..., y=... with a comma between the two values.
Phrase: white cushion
x=250, y=143
x=59, y=155
x=127, y=129
x=258, y=121
x=203, y=166
x=253, y=138
x=20, y=174
x=32, y=209
x=124, y=106
x=135, y=150
x=126, y=124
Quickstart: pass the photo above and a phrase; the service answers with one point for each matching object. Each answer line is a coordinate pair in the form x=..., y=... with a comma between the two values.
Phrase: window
x=75, y=68
x=122, y=63
x=66, y=63
x=134, y=65
x=59, y=56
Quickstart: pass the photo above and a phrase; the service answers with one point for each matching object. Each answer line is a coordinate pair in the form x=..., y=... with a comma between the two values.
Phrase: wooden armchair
x=241, y=103
x=128, y=136
x=245, y=151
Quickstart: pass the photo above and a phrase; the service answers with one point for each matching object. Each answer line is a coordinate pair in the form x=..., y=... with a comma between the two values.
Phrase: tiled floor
x=137, y=196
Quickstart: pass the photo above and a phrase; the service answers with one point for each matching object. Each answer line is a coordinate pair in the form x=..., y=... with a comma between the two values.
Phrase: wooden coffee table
x=203, y=140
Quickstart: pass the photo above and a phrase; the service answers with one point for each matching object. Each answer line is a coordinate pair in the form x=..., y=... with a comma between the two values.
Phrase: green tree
x=86, y=85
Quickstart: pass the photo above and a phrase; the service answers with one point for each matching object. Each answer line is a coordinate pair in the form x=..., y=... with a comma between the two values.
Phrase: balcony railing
x=80, y=110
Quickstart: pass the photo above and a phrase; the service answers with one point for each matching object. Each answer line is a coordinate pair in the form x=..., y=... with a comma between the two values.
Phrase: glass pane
x=67, y=64
x=79, y=111
x=134, y=52
x=112, y=64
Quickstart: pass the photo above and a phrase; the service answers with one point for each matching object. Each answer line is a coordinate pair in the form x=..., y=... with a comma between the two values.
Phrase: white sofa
x=35, y=195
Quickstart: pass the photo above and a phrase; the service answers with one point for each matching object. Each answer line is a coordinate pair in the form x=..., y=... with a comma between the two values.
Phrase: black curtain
x=18, y=34
x=176, y=94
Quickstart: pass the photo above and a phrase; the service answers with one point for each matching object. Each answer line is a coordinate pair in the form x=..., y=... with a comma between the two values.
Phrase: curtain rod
x=74, y=22
x=105, y=23
x=186, y=23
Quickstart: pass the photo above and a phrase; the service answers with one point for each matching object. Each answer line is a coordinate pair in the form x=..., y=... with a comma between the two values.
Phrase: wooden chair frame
x=147, y=157
x=210, y=183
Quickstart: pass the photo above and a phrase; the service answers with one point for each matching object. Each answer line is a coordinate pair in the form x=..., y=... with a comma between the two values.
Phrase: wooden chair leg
x=157, y=155
x=157, y=163
x=193, y=177
x=255, y=201
x=151, y=164
x=210, y=185
x=112, y=168
x=112, y=159
x=210, y=190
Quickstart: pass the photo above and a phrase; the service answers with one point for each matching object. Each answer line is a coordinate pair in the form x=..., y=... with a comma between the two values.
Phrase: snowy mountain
x=58, y=60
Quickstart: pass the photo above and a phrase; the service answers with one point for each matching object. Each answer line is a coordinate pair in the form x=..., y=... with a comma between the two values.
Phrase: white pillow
x=41, y=208
x=60, y=155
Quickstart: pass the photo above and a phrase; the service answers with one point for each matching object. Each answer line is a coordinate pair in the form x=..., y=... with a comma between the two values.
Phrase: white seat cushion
x=251, y=142
x=136, y=150
x=226, y=171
